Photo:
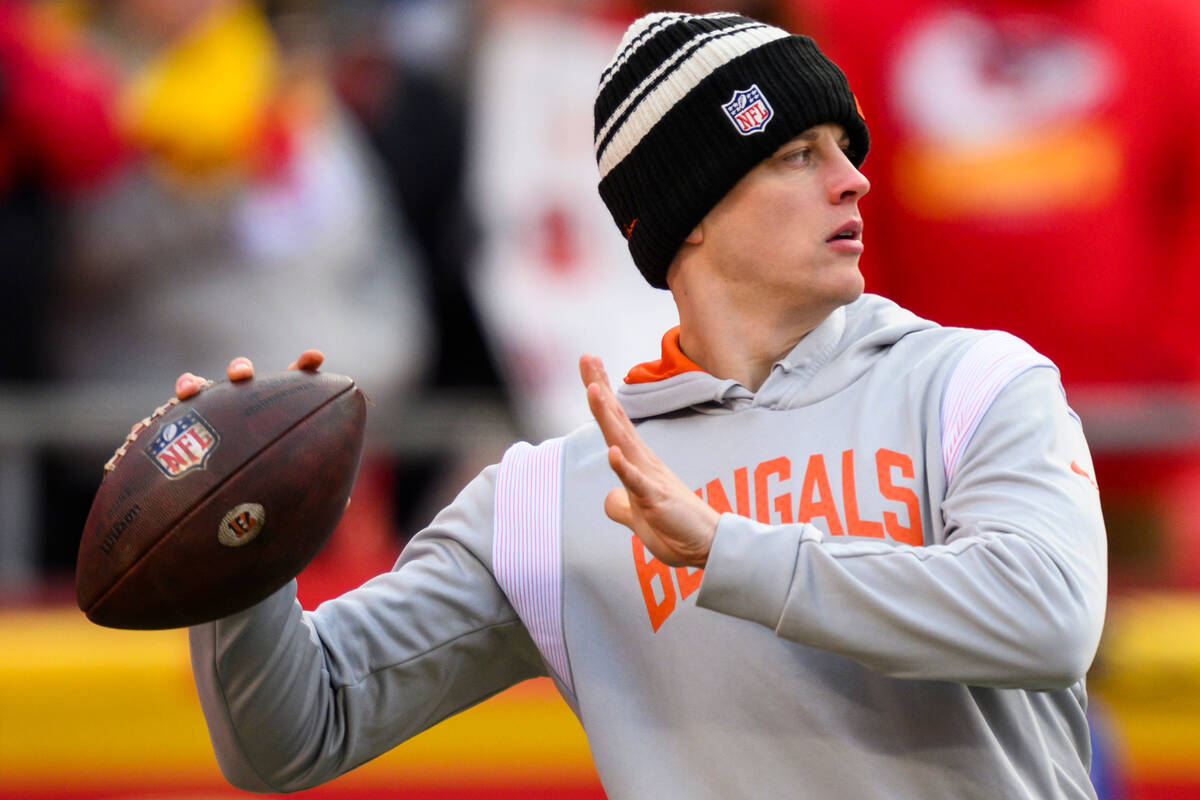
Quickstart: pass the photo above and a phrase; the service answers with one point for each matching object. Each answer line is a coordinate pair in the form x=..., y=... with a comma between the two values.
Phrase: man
x=911, y=586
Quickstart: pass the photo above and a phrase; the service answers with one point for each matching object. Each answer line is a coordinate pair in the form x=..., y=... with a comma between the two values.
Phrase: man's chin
x=852, y=287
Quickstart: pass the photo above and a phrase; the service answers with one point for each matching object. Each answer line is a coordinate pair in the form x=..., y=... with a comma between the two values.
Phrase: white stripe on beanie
x=642, y=31
x=721, y=47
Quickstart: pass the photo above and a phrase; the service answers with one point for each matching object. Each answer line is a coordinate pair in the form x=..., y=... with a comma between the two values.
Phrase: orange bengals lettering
x=774, y=503
x=910, y=533
x=854, y=525
x=648, y=569
x=782, y=467
x=816, y=498
x=720, y=501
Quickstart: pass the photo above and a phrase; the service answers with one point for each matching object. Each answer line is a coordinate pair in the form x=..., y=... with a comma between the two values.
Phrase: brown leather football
x=215, y=502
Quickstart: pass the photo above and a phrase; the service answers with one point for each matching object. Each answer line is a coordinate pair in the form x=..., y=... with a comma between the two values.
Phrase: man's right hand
x=240, y=369
x=670, y=519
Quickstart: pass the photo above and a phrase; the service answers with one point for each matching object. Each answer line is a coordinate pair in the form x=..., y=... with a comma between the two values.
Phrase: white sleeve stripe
x=985, y=369
x=527, y=549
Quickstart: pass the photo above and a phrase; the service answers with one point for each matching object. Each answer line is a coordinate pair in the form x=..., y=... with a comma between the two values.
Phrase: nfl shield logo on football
x=183, y=445
x=749, y=110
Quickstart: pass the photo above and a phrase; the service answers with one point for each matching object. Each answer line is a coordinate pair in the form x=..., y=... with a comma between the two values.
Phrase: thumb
x=616, y=506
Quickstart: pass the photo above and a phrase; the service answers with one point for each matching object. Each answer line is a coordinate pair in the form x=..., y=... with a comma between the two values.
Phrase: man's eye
x=799, y=156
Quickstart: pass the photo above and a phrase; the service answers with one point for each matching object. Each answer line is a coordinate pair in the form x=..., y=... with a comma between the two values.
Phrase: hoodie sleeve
x=293, y=699
x=1014, y=597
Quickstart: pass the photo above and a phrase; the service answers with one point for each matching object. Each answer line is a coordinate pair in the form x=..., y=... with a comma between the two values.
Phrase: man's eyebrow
x=812, y=134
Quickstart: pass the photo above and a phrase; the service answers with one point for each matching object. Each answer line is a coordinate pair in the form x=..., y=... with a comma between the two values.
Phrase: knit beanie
x=691, y=103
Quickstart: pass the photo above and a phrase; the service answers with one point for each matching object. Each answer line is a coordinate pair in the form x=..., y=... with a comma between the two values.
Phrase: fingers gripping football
x=240, y=369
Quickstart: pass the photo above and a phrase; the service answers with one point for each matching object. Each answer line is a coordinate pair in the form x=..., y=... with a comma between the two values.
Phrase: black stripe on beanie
x=687, y=159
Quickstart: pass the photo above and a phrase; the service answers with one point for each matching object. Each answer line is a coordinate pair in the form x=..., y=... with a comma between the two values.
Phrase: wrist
x=708, y=523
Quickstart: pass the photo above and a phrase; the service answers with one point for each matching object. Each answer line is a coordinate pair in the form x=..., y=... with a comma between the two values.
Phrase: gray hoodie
x=901, y=602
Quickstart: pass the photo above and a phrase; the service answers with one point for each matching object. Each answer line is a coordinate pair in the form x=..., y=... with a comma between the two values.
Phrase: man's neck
x=739, y=346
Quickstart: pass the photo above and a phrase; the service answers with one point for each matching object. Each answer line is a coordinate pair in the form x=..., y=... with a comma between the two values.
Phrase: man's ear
x=696, y=236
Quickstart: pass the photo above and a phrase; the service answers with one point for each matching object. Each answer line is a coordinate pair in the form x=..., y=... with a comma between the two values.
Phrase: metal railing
x=91, y=417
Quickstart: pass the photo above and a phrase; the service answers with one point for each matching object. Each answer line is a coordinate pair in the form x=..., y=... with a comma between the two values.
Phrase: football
x=213, y=503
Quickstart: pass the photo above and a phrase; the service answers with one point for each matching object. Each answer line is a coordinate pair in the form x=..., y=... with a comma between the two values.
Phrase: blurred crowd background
x=409, y=185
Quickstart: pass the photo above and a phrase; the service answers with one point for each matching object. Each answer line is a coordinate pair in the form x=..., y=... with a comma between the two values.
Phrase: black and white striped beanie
x=688, y=105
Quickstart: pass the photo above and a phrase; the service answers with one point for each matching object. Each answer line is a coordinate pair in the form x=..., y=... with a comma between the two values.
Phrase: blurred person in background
x=251, y=212
x=1038, y=171
x=58, y=141
x=400, y=68
x=250, y=177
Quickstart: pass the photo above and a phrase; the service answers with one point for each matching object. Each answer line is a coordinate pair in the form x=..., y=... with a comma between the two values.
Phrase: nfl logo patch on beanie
x=748, y=110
